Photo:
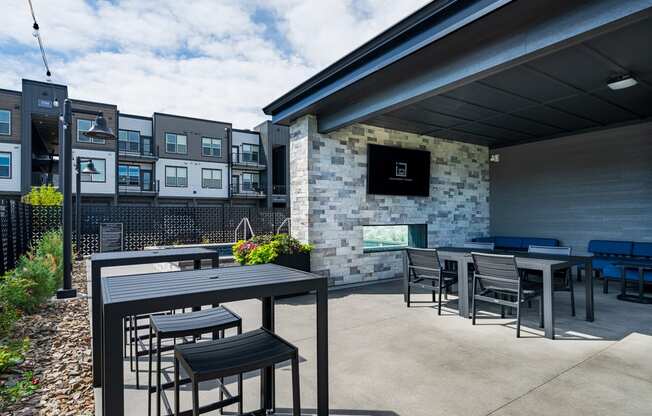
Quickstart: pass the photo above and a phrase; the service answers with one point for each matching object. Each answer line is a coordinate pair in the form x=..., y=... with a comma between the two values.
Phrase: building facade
x=164, y=159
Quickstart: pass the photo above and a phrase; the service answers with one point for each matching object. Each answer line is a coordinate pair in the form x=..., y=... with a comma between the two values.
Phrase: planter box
x=299, y=261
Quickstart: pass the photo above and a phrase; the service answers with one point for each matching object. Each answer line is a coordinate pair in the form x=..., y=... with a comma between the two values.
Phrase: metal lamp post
x=88, y=170
x=98, y=130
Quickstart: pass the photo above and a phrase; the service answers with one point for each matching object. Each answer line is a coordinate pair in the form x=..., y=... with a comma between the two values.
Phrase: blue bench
x=517, y=243
x=608, y=253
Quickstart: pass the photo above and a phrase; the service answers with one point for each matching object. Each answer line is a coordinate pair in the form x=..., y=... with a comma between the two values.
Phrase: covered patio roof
x=495, y=73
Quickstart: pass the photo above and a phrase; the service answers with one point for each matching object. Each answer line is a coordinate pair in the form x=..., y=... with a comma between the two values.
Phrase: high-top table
x=546, y=263
x=149, y=293
x=130, y=258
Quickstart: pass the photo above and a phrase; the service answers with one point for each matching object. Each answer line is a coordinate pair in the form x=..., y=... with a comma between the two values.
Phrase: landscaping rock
x=59, y=356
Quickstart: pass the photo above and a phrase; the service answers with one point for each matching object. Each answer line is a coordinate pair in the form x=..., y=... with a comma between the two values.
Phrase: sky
x=214, y=59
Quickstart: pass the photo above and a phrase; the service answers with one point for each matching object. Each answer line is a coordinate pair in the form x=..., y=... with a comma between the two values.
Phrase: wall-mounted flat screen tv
x=397, y=171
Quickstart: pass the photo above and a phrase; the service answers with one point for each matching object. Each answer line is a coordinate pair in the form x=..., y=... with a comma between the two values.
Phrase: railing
x=279, y=189
x=139, y=189
x=140, y=152
x=248, y=192
x=246, y=159
x=39, y=179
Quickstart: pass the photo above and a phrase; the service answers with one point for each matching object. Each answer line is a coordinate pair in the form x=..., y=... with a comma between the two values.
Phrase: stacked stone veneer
x=330, y=204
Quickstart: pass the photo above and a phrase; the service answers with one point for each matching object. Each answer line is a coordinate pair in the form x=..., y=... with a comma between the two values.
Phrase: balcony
x=137, y=153
x=139, y=189
x=280, y=190
x=39, y=179
x=248, y=191
x=247, y=161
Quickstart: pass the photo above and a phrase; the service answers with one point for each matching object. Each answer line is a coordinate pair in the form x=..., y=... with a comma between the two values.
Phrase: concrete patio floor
x=388, y=360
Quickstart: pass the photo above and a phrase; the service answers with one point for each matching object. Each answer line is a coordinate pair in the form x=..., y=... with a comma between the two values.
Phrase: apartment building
x=164, y=159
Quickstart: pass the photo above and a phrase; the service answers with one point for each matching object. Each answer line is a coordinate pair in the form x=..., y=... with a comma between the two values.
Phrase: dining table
x=142, y=294
x=547, y=264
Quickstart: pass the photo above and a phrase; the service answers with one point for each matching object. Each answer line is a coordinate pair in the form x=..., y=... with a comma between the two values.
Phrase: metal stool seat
x=226, y=357
x=181, y=325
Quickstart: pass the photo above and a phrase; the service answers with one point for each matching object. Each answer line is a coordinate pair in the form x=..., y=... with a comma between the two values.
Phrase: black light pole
x=88, y=170
x=99, y=130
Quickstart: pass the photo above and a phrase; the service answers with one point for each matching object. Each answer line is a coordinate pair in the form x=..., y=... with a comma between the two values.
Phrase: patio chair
x=231, y=356
x=425, y=271
x=479, y=245
x=562, y=279
x=185, y=325
x=497, y=281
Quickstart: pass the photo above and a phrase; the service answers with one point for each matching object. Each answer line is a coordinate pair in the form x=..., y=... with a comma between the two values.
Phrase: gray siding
x=110, y=113
x=194, y=130
x=591, y=186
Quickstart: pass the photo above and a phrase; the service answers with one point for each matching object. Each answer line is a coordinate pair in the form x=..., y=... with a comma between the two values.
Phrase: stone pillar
x=302, y=131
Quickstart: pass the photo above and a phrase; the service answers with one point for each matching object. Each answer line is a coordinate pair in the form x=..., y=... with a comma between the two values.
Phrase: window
x=5, y=122
x=100, y=167
x=176, y=176
x=147, y=145
x=393, y=237
x=211, y=147
x=129, y=141
x=129, y=175
x=250, y=153
x=5, y=165
x=211, y=178
x=250, y=182
x=176, y=143
x=82, y=127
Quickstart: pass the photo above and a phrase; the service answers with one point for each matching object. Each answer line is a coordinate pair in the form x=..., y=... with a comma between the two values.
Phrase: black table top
x=153, y=286
x=149, y=254
x=521, y=254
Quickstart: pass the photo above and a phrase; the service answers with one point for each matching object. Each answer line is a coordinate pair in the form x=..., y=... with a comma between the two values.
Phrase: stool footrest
x=213, y=406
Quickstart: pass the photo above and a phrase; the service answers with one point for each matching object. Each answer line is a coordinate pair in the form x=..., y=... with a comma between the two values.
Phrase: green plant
x=17, y=388
x=266, y=248
x=8, y=317
x=12, y=353
x=46, y=195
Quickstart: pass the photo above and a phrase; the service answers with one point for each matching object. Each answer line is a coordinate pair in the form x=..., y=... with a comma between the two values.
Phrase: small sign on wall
x=111, y=237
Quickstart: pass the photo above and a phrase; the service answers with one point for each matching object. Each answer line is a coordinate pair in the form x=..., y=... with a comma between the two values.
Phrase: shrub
x=46, y=195
x=8, y=317
x=266, y=248
x=12, y=353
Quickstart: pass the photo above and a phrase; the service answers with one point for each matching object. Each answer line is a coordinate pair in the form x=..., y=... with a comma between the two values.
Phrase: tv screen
x=397, y=171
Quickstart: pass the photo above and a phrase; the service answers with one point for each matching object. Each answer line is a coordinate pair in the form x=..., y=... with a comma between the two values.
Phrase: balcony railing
x=279, y=190
x=39, y=179
x=246, y=159
x=137, y=153
x=246, y=191
x=151, y=189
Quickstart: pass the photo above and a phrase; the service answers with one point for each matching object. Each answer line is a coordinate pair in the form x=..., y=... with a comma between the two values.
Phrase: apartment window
x=176, y=176
x=250, y=182
x=176, y=143
x=82, y=127
x=5, y=165
x=250, y=153
x=147, y=145
x=129, y=141
x=211, y=147
x=5, y=122
x=211, y=178
x=100, y=167
x=129, y=175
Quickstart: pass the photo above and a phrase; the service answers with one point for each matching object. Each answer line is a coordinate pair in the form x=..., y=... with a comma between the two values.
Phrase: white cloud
x=203, y=58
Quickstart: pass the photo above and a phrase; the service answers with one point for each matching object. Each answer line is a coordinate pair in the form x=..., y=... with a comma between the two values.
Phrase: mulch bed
x=59, y=356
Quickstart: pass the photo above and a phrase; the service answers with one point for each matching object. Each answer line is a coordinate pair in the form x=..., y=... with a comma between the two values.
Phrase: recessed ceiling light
x=621, y=82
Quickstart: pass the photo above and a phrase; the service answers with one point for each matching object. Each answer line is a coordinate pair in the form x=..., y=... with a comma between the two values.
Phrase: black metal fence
x=15, y=233
x=20, y=224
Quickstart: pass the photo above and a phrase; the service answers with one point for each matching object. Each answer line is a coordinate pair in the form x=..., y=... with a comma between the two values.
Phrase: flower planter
x=300, y=261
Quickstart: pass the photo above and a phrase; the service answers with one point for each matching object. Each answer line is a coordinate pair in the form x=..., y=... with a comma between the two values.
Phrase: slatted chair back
x=496, y=271
x=423, y=262
x=477, y=245
x=560, y=251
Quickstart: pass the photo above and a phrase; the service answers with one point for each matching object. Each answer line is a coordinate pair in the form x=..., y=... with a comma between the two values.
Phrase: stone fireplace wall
x=330, y=205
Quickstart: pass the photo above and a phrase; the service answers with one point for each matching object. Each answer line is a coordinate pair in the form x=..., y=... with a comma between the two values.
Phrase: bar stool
x=181, y=325
x=211, y=360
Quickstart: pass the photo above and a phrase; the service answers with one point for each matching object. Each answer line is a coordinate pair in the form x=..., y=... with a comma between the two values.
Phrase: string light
x=37, y=34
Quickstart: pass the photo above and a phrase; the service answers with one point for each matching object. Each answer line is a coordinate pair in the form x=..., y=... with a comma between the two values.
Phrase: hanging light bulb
x=48, y=76
x=35, y=33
